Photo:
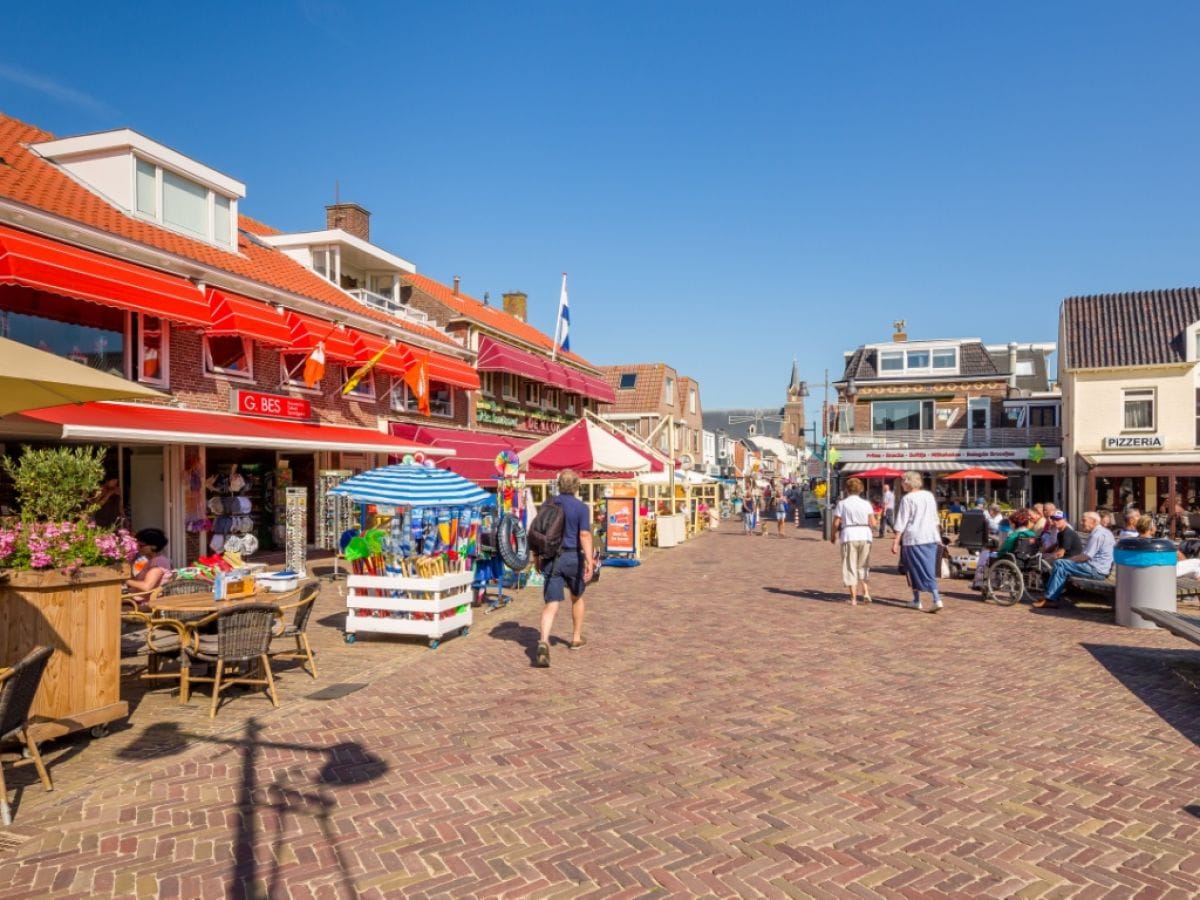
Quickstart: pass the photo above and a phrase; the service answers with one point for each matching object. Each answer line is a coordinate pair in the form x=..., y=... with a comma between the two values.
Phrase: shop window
x=1139, y=409
x=152, y=348
x=89, y=334
x=508, y=385
x=902, y=415
x=230, y=356
x=441, y=399
x=533, y=393
x=365, y=390
x=628, y=381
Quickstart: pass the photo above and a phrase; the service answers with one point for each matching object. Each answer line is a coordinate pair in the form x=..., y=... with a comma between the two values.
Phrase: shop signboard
x=1135, y=442
x=974, y=456
x=620, y=517
x=274, y=406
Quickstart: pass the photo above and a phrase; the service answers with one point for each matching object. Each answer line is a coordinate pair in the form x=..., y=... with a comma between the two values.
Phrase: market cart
x=423, y=607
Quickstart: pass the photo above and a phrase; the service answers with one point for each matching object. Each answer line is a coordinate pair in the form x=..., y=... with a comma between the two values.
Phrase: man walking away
x=570, y=570
x=888, y=519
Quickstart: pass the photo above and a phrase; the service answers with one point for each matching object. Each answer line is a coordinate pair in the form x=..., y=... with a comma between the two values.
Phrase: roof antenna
x=337, y=192
x=486, y=298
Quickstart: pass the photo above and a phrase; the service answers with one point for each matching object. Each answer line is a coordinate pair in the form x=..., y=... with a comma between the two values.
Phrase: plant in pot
x=58, y=489
x=62, y=588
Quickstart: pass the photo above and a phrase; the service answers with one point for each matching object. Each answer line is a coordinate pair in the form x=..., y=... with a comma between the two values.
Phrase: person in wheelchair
x=1021, y=531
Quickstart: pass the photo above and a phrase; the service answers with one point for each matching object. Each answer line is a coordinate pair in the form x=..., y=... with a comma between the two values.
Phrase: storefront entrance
x=1171, y=493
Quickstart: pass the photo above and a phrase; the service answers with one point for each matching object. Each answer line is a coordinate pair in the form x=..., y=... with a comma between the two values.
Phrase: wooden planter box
x=80, y=617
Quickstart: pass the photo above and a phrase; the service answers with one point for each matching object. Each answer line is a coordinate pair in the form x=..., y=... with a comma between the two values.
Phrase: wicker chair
x=298, y=628
x=242, y=642
x=18, y=687
x=164, y=636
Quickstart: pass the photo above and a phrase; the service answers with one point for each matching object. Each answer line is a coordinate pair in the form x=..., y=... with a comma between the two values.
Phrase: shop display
x=295, y=538
x=229, y=505
x=336, y=513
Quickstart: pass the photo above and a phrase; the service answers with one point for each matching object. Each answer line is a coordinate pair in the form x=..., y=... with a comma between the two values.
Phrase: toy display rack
x=421, y=607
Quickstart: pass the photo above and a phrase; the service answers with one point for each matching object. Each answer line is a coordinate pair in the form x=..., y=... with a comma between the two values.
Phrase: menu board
x=620, y=517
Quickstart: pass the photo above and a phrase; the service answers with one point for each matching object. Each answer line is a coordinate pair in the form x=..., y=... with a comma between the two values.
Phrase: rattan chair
x=18, y=687
x=297, y=629
x=242, y=642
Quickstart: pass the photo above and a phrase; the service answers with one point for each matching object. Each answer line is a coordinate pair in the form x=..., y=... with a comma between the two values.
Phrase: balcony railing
x=388, y=305
x=950, y=437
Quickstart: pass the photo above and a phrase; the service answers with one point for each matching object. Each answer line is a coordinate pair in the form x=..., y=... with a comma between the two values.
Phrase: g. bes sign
x=254, y=403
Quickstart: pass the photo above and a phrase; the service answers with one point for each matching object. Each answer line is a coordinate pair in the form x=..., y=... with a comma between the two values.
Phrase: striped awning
x=938, y=465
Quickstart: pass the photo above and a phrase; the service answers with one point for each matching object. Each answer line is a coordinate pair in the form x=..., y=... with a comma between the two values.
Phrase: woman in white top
x=917, y=531
x=853, y=526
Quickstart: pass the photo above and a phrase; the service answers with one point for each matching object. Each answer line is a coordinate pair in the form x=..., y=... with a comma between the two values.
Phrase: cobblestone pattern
x=732, y=729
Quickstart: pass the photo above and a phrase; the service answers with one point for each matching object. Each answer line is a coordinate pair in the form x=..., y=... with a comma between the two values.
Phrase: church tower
x=793, y=431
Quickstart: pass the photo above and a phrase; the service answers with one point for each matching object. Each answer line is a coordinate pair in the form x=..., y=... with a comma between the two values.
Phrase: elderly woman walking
x=917, y=532
x=853, y=527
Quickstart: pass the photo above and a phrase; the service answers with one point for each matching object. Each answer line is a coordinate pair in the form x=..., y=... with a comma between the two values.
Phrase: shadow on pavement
x=288, y=793
x=526, y=636
x=811, y=594
x=1167, y=681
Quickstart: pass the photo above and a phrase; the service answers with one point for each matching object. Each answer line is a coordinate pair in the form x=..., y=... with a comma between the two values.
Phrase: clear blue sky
x=729, y=185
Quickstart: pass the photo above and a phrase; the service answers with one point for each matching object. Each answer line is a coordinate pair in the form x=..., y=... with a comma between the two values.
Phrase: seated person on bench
x=1188, y=559
x=1020, y=531
x=1096, y=561
x=1067, y=542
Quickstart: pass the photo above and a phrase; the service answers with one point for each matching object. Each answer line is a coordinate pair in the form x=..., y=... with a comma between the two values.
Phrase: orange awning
x=47, y=265
x=395, y=358
x=234, y=315
x=451, y=371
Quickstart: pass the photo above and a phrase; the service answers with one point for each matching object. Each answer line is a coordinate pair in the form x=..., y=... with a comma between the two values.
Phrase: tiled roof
x=28, y=179
x=647, y=392
x=490, y=317
x=1144, y=328
x=973, y=362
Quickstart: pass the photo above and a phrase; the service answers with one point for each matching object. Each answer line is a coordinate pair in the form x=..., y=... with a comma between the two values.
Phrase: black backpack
x=546, y=530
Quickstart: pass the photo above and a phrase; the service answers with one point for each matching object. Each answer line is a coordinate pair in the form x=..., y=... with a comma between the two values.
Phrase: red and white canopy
x=585, y=447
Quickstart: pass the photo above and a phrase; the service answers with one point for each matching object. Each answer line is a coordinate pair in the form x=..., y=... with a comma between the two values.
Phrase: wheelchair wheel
x=1005, y=583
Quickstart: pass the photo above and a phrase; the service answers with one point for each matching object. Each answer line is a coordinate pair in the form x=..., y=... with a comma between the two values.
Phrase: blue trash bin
x=1145, y=577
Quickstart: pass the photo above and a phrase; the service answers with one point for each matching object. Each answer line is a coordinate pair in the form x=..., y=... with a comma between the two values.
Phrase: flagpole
x=292, y=372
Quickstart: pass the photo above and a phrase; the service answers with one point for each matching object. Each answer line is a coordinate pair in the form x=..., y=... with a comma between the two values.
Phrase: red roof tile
x=28, y=179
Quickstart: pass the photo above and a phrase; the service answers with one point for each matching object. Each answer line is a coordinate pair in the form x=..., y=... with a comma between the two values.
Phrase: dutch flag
x=562, y=331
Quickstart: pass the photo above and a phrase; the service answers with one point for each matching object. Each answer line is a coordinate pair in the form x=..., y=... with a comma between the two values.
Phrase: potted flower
x=61, y=586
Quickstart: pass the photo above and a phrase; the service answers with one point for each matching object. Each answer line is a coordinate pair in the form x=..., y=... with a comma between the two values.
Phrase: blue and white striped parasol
x=411, y=484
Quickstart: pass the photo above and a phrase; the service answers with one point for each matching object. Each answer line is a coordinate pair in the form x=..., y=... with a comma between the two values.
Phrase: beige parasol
x=34, y=379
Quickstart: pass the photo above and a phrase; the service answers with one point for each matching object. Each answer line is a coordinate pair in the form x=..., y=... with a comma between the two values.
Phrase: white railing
x=388, y=305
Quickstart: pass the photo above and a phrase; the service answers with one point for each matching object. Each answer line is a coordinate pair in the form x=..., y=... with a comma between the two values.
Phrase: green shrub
x=57, y=484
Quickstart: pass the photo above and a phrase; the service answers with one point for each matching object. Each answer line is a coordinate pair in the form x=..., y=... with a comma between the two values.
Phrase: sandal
x=1045, y=603
x=579, y=644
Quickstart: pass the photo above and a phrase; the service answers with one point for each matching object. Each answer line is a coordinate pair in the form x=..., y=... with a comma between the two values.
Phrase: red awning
x=495, y=356
x=234, y=315
x=395, y=358
x=307, y=332
x=451, y=371
x=474, y=452
x=46, y=265
x=145, y=424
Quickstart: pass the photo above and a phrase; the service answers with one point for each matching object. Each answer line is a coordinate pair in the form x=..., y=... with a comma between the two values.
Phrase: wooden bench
x=1179, y=624
x=1186, y=586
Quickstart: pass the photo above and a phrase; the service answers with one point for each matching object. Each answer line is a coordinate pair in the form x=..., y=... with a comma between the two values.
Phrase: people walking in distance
x=781, y=513
x=888, y=519
x=570, y=570
x=749, y=513
x=917, y=532
x=853, y=528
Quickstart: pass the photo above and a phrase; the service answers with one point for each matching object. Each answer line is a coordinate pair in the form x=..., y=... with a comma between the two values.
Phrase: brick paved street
x=731, y=730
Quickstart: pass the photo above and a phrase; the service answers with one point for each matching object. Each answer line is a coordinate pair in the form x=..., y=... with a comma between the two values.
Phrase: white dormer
x=1191, y=342
x=151, y=181
x=906, y=359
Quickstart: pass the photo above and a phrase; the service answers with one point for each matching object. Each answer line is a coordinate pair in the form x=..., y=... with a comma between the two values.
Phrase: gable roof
x=30, y=180
x=1143, y=328
x=647, y=392
x=973, y=362
x=490, y=317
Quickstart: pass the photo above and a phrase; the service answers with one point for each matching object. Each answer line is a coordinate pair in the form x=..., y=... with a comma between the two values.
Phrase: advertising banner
x=620, y=516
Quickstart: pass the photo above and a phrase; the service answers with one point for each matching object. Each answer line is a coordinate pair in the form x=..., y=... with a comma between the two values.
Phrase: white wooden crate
x=412, y=595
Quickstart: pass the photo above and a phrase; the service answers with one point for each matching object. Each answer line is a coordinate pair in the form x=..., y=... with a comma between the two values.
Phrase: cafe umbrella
x=975, y=474
x=34, y=379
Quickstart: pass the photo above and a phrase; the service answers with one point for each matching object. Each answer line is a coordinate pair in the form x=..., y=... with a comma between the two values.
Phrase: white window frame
x=217, y=371
x=1140, y=395
x=569, y=404
x=669, y=391
x=533, y=393
x=921, y=415
x=362, y=396
x=691, y=400
x=229, y=244
x=953, y=351
x=487, y=384
x=401, y=396
x=296, y=381
x=549, y=398
x=508, y=385
x=891, y=355
x=163, y=379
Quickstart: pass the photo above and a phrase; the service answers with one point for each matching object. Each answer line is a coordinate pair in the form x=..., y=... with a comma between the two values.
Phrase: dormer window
x=919, y=361
x=184, y=205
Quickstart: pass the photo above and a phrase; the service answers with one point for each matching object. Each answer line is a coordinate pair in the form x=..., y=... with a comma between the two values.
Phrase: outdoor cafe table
x=200, y=603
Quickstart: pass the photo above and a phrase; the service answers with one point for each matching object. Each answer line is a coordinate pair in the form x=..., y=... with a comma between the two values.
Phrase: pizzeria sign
x=1135, y=442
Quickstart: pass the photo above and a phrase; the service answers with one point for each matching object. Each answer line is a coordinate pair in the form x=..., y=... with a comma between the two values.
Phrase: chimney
x=514, y=304
x=900, y=335
x=350, y=218
x=1012, y=366
x=457, y=280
